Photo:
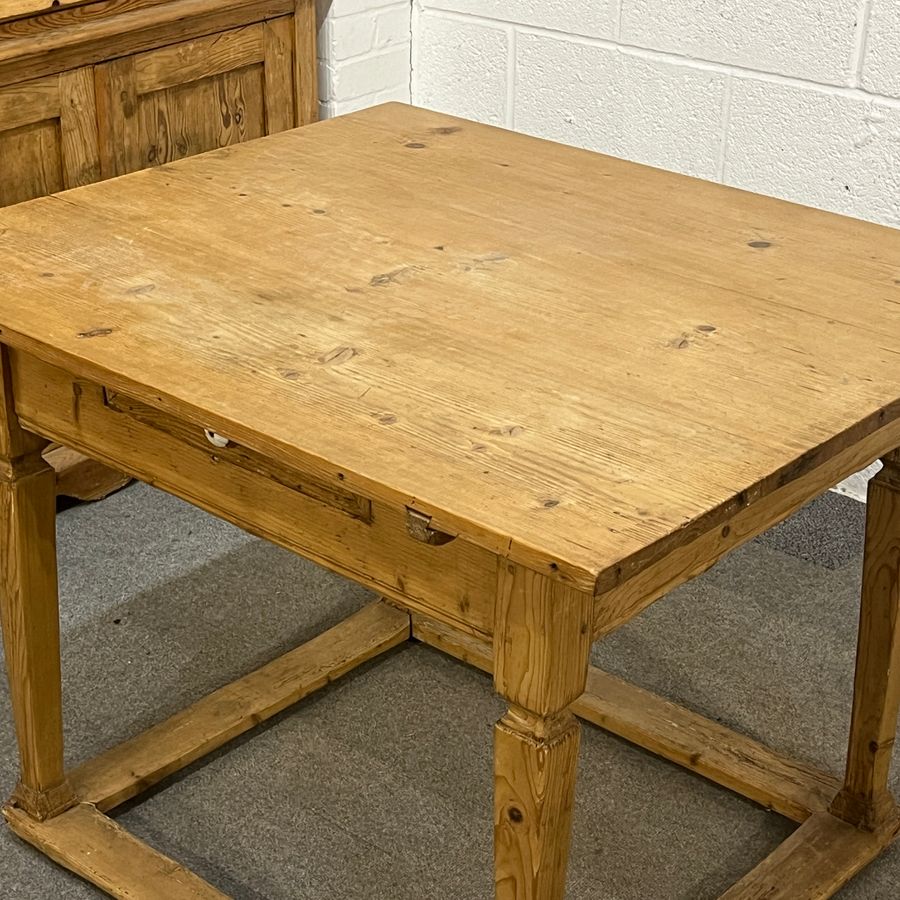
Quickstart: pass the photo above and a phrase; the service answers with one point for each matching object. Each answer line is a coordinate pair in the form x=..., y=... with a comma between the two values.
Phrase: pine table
x=520, y=390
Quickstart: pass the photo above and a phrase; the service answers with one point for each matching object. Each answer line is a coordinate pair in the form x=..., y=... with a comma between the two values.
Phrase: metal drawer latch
x=419, y=527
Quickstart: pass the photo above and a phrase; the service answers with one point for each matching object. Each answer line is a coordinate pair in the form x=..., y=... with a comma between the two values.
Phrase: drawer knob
x=217, y=440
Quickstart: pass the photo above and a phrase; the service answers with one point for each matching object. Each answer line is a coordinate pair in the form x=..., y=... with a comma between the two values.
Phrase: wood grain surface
x=823, y=854
x=866, y=800
x=578, y=362
x=788, y=786
x=96, y=848
x=135, y=765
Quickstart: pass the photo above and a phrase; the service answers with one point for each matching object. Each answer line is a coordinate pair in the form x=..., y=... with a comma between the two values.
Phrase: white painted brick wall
x=364, y=53
x=796, y=99
x=812, y=39
x=881, y=74
x=661, y=113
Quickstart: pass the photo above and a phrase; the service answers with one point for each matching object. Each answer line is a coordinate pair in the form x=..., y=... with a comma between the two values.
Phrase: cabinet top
x=578, y=361
x=13, y=9
x=37, y=41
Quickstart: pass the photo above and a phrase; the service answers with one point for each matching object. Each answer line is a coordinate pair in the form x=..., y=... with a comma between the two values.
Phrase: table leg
x=29, y=610
x=865, y=800
x=542, y=643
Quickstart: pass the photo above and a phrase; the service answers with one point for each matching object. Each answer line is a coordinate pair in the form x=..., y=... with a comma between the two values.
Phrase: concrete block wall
x=364, y=53
x=796, y=99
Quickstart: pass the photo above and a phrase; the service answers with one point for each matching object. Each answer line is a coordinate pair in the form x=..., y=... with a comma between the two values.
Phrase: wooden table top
x=578, y=361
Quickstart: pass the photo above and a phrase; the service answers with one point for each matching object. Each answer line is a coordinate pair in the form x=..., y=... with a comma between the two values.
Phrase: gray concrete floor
x=380, y=786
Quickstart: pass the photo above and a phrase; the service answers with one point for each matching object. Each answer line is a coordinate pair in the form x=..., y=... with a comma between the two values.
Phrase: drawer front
x=363, y=539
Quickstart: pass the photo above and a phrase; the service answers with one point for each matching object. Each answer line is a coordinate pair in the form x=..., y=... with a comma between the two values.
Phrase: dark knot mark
x=320, y=212
x=95, y=332
x=759, y=245
x=289, y=374
x=385, y=418
x=394, y=277
x=414, y=145
x=706, y=329
x=446, y=129
x=680, y=343
x=515, y=814
x=338, y=356
x=550, y=504
x=507, y=431
x=484, y=262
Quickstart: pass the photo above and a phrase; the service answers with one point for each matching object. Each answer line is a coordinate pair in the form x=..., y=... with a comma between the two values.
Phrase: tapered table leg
x=865, y=800
x=29, y=610
x=541, y=646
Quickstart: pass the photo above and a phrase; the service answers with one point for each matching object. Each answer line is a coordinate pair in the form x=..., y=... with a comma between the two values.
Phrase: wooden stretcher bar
x=793, y=789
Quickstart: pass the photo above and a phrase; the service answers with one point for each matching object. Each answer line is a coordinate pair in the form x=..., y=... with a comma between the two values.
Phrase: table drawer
x=363, y=539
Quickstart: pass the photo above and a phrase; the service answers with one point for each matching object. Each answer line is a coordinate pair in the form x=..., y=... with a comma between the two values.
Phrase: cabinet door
x=187, y=98
x=48, y=136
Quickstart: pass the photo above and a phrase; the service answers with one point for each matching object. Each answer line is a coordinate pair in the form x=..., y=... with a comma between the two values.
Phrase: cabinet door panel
x=48, y=136
x=30, y=163
x=210, y=113
x=200, y=95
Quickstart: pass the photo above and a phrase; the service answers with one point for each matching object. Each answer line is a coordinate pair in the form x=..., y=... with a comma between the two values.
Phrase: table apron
x=363, y=539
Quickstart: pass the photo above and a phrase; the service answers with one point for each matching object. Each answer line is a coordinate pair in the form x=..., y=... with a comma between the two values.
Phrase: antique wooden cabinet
x=90, y=90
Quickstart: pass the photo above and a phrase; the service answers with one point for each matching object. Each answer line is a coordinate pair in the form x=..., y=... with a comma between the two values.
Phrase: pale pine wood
x=195, y=60
x=865, y=800
x=34, y=152
x=130, y=768
x=514, y=426
x=97, y=32
x=792, y=788
x=279, y=74
x=329, y=494
x=350, y=534
x=623, y=602
x=82, y=478
x=29, y=610
x=542, y=640
x=34, y=157
x=201, y=116
x=585, y=415
x=196, y=96
x=819, y=858
x=15, y=441
x=78, y=128
x=30, y=620
x=117, y=104
x=534, y=786
x=306, y=69
x=89, y=844
x=49, y=137
x=15, y=8
x=25, y=104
